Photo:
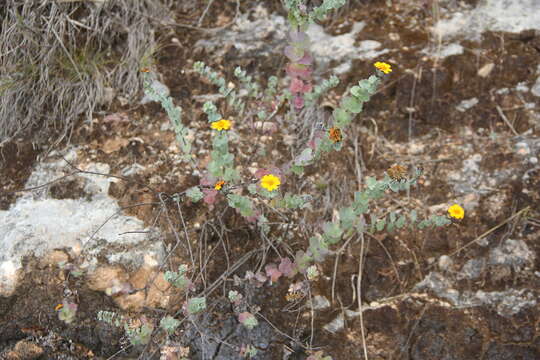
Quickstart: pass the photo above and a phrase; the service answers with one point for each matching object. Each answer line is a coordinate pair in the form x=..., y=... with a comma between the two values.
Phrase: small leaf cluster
x=248, y=351
x=67, y=312
x=299, y=67
x=241, y=203
x=195, y=305
x=353, y=104
x=221, y=165
x=178, y=278
x=139, y=335
x=239, y=307
x=248, y=320
x=233, y=98
x=194, y=193
x=138, y=332
x=293, y=201
x=318, y=90
x=252, y=87
x=298, y=15
x=213, y=76
x=169, y=324
x=173, y=112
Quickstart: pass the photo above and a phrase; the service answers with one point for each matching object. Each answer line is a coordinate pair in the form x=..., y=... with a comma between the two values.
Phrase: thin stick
x=338, y=254
x=199, y=23
x=359, y=292
x=501, y=113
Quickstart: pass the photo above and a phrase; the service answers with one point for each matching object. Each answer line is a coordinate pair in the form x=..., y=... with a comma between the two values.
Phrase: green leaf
x=268, y=194
x=413, y=217
x=231, y=175
x=169, y=324
x=253, y=189
x=241, y=203
x=371, y=182
x=293, y=201
x=352, y=104
x=214, y=168
x=318, y=247
x=394, y=186
x=347, y=217
x=196, y=305
x=305, y=157
x=424, y=223
x=361, y=208
x=297, y=169
x=441, y=220
x=373, y=80
x=380, y=224
x=332, y=232
x=401, y=221
x=361, y=202
x=302, y=260
x=356, y=91
x=221, y=142
x=341, y=118
x=194, y=194
x=373, y=221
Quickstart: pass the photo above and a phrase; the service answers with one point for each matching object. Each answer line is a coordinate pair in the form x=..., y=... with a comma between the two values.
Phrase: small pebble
x=445, y=262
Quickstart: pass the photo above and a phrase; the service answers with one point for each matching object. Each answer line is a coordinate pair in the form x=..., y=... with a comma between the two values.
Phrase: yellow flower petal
x=384, y=67
x=270, y=182
x=221, y=125
x=456, y=211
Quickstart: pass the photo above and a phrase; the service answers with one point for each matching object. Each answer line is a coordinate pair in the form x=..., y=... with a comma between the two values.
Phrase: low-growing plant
x=195, y=305
x=248, y=320
x=169, y=324
x=221, y=182
x=248, y=351
x=179, y=278
x=138, y=331
x=67, y=311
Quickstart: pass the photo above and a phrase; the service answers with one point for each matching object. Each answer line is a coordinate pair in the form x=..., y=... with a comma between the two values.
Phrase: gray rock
x=535, y=89
x=445, y=262
x=515, y=253
x=466, y=104
x=335, y=325
x=472, y=269
x=90, y=227
x=319, y=302
x=490, y=15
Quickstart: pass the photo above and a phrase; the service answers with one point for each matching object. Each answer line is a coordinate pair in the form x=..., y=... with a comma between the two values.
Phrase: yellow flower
x=270, y=182
x=221, y=125
x=456, y=211
x=58, y=307
x=384, y=67
x=219, y=185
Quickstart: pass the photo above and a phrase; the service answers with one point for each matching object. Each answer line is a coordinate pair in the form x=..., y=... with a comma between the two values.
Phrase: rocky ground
x=463, y=102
